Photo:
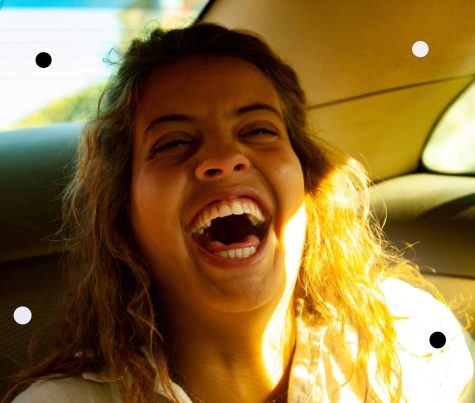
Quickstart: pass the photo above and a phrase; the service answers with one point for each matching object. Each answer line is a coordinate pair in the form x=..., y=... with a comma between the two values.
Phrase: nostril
x=239, y=167
x=213, y=172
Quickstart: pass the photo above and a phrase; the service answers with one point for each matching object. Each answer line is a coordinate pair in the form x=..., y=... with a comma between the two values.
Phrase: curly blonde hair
x=112, y=310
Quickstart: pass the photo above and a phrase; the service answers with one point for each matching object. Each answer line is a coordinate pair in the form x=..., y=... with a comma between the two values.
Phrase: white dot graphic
x=22, y=315
x=420, y=49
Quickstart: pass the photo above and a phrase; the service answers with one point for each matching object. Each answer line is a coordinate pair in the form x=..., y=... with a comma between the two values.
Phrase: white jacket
x=438, y=375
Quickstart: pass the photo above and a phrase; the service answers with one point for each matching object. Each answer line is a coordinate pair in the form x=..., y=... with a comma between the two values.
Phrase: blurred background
x=79, y=35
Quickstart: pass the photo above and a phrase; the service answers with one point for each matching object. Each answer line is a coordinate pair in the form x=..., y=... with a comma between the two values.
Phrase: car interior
x=367, y=93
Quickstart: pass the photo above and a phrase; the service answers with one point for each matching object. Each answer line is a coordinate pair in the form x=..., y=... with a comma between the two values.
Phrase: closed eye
x=262, y=130
x=175, y=144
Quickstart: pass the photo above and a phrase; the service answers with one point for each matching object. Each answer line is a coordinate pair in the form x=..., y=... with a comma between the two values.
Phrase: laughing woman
x=222, y=253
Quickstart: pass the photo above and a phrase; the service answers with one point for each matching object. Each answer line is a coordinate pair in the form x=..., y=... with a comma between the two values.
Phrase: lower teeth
x=237, y=253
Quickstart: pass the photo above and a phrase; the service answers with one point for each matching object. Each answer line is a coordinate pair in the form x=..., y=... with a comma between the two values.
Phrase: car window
x=52, y=68
x=451, y=148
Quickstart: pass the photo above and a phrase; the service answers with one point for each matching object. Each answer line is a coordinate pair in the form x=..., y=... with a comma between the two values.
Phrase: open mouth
x=232, y=237
x=231, y=229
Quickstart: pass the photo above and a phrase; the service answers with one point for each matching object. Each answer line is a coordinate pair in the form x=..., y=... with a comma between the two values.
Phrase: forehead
x=205, y=84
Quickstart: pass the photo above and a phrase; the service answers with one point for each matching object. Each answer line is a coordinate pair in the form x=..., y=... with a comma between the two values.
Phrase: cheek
x=287, y=180
x=290, y=175
x=154, y=205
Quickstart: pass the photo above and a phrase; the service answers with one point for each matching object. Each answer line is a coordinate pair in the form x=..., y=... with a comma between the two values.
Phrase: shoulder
x=434, y=350
x=74, y=389
x=418, y=311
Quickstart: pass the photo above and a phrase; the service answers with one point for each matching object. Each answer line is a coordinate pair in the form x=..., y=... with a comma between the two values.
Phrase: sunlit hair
x=112, y=309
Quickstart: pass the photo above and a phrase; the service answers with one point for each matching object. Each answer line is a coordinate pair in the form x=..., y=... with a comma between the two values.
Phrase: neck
x=248, y=356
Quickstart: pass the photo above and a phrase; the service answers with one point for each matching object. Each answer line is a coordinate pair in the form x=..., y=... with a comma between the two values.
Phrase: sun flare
x=274, y=340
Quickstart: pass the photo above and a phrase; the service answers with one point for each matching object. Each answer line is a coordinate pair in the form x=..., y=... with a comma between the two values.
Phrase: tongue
x=216, y=246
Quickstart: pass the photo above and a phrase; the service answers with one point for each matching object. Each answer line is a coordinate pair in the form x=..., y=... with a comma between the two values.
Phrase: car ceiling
x=367, y=92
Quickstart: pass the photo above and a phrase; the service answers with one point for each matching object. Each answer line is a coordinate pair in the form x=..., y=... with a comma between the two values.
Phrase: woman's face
x=210, y=140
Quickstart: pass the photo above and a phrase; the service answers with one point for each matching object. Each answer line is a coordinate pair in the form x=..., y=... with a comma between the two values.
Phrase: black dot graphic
x=437, y=340
x=43, y=59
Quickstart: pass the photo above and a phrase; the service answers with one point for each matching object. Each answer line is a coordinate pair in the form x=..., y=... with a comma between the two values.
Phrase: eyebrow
x=178, y=117
x=256, y=107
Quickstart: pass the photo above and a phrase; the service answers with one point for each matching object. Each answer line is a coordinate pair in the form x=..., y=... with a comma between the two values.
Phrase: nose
x=221, y=162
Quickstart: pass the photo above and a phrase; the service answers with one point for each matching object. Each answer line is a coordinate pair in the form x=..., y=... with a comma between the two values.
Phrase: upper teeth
x=224, y=208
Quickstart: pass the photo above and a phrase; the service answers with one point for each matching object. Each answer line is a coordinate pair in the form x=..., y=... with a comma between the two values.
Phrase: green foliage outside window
x=78, y=107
